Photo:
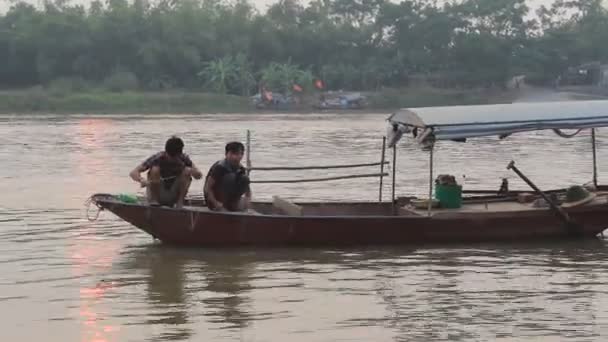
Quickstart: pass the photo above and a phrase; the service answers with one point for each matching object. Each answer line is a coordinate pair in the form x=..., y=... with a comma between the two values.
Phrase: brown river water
x=63, y=278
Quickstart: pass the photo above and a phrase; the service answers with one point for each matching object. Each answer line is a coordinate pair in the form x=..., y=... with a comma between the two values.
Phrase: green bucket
x=449, y=196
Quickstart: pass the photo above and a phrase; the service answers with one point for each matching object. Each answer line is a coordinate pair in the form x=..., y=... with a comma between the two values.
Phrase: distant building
x=603, y=77
x=593, y=74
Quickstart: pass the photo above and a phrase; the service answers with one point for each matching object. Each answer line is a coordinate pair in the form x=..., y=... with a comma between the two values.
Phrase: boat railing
x=382, y=163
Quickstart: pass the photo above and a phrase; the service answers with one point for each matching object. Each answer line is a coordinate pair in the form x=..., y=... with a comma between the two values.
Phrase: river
x=63, y=278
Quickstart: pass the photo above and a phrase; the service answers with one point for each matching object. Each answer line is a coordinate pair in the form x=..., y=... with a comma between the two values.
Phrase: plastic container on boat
x=449, y=196
x=127, y=198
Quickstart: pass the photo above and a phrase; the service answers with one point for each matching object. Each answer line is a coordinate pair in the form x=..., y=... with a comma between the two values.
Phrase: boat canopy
x=461, y=122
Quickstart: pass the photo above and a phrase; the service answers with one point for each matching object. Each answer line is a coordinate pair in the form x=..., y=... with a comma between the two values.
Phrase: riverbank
x=39, y=100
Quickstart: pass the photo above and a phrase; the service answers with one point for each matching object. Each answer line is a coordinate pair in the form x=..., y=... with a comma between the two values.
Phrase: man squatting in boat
x=227, y=184
x=170, y=173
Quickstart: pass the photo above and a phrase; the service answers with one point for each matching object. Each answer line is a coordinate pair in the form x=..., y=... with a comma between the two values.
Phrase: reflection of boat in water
x=492, y=216
x=177, y=277
x=165, y=290
x=219, y=282
x=228, y=292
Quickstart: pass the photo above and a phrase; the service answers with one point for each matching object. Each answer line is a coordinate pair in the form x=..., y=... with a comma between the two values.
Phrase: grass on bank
x=123, y=102
x=53, y=100
x=428, y=96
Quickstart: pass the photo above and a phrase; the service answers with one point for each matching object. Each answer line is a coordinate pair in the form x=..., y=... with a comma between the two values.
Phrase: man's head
x=234, y=152
x=174, y=146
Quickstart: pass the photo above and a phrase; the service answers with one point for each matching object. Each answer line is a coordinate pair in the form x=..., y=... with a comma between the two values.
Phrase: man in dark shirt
x=227, y=182
x=169, y=174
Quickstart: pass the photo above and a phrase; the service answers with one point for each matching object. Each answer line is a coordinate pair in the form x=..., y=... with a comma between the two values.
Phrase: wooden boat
x=487, y=217
x=341, y=101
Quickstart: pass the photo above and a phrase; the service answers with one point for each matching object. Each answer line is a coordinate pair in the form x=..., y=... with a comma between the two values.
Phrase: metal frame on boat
x=484, y=215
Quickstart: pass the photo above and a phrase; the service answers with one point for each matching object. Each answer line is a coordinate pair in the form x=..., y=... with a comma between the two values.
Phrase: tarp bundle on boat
x=462, y=122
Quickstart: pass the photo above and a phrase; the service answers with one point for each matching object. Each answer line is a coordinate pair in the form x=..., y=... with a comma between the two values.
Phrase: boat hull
x=191, y=227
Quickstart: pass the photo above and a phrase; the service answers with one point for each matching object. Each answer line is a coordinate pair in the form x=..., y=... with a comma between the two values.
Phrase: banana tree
x=219, y=74
x=283, y=76
x=244, y=77
x=228, y=75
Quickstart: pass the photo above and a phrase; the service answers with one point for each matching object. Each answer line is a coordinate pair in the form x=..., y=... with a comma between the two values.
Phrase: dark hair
x=174, y=146
x=235, y=147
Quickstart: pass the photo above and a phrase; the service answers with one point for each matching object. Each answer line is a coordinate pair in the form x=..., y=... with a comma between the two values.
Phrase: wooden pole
x=394, y=173
x=570, y=225
x=382, y=169
x=248, y=152
x=430, y=204
x=594, y=158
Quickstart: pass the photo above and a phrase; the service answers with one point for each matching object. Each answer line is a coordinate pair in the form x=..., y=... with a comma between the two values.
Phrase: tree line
x=230, y=47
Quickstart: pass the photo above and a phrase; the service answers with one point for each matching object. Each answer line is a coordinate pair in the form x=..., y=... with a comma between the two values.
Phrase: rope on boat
x=564, y=135
x=87, y=204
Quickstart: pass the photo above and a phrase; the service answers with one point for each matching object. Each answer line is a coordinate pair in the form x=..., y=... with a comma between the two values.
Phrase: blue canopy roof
x=461, y=122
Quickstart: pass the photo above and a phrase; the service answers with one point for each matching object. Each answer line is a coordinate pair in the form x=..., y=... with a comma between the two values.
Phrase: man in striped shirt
x=170, y=173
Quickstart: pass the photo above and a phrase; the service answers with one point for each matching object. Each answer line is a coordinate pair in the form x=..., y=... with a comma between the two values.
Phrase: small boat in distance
x=489, y=215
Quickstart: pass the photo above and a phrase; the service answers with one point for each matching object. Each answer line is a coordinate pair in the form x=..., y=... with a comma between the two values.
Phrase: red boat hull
x=204, y=228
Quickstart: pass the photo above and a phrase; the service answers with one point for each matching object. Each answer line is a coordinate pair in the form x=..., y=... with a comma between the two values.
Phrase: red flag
x=267, y=95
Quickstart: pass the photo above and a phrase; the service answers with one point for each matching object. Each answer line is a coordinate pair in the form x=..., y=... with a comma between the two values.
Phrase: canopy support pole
x=381, y=169
x=594, y=157
x=430, y=204
x=394, y=172
x=248, y=151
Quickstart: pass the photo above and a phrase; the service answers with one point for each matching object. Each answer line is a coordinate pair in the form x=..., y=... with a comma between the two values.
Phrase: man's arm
x=135, y=174
x=195, y=172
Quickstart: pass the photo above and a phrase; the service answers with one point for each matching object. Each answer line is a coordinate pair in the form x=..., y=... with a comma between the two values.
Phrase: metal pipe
x=322, y=167
x=248, y=152
x=594, y=158
x=394, y=173
x=382, y=169
x=430, y=204
x=305, y=180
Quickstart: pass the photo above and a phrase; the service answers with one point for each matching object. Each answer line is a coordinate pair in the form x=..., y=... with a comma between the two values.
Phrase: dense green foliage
x=230, y=47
